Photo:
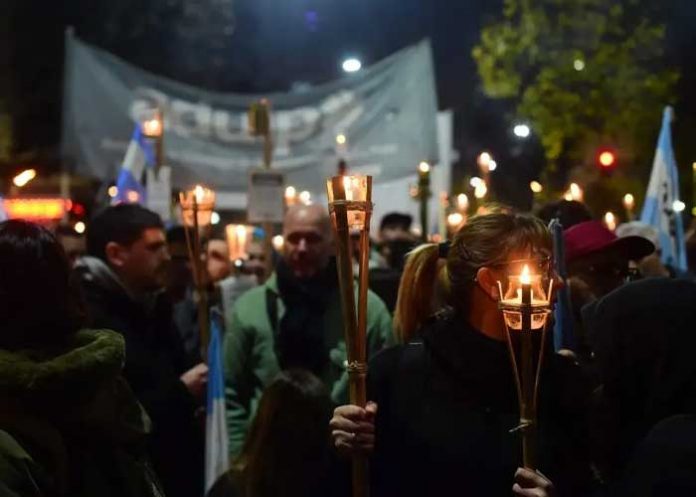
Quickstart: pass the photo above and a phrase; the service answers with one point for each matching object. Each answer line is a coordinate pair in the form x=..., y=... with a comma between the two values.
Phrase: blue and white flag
x=663, y=193
x=140, y=153
x=563, y=336
x=216, y=448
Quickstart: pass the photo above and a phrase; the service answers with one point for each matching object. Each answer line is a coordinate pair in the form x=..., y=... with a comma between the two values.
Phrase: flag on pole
x=563, y=337
x=662, y=197
x=140, y=153
x=216, y=448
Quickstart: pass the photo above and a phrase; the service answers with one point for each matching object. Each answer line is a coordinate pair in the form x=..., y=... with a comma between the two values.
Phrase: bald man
x=293, y=320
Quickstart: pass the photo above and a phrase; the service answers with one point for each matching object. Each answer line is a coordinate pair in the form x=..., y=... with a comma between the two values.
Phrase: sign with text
x=384, y=118
x=266, y=196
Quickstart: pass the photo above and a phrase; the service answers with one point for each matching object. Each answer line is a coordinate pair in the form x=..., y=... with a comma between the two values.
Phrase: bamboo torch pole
x=348, y=209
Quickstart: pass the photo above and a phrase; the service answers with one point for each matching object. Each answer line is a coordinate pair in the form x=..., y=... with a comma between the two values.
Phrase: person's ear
x=116, y=254
x=488, y=282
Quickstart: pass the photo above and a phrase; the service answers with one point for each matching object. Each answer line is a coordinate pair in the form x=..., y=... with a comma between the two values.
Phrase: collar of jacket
x=77, y=385
x=98, y=272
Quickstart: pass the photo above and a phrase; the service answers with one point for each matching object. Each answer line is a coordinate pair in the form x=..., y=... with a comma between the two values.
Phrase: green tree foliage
x=585, y=73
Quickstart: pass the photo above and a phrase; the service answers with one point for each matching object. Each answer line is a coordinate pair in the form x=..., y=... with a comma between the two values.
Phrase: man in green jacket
x=294, y=320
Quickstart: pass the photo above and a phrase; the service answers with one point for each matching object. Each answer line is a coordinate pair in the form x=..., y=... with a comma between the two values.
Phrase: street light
x=351, y=65
x=536, y=187
x=24, y=177
x=521, y=131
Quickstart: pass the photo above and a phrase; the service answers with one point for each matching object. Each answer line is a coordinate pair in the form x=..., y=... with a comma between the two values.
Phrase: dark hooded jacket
x=154, y=364
x=70, y=425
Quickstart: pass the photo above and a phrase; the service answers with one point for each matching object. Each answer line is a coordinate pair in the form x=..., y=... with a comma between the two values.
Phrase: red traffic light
x=607, y=159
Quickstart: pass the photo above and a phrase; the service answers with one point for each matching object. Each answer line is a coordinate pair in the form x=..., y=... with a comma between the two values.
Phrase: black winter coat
x=154, y=363
x=446, y=405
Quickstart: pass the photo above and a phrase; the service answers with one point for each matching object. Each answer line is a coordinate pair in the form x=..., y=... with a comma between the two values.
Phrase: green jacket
x=70, y=425
x=250, y=360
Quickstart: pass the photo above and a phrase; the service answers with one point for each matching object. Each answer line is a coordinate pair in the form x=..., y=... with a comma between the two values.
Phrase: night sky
x=271, y=45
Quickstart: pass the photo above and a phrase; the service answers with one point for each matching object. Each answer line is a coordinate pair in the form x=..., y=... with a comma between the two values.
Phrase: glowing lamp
x=197, y=206
x=352, y=193
x=480, y=190
x=455, y=220
x=610, y=220
x=536, y=187
x=523, y=290
x=607, y=159
x=278, y=243
x=628, y=201
x=305, y=197
x=462, y=202
x=24, y=177
x=239, y=238
x=525, y=305
x=290, y=196
x=152, y=127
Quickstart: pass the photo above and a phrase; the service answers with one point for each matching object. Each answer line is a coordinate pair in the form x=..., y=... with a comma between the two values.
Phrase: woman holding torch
x=443, y=416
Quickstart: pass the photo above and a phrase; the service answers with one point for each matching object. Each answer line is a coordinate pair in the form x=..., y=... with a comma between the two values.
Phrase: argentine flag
x=663, y=191
x=140, y=153
x=216, y=448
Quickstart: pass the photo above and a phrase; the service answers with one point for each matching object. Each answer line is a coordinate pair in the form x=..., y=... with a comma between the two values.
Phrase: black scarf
x=300, y=341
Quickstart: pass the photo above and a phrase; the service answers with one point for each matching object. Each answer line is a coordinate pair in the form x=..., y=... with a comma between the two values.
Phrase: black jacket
x=446, y=405
x=154, y=363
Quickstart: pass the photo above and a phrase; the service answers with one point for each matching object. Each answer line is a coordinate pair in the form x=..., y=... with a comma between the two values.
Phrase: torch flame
x=199, y=193
x=525, y=279
x=347, y=186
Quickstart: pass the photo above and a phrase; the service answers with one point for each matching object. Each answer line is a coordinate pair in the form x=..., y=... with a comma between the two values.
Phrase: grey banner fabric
x=387, y=113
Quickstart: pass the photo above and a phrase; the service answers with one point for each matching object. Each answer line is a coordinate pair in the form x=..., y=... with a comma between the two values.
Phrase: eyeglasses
x=542, y=265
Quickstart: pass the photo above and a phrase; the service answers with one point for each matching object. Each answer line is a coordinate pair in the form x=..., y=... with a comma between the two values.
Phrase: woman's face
x=538, y=262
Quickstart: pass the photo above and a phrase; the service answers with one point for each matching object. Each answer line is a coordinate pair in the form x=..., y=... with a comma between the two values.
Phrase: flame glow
x=525, y=278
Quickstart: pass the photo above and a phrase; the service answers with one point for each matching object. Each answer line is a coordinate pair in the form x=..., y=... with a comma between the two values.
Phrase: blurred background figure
x=598, y=262
x=286, y=453
x=395, y=240
x=69, y=423
x=649, y=266
x=645, y=420
x=180, y=277
x=73, y=243
x=123, y=280
x=293, y=320
x=568, y=212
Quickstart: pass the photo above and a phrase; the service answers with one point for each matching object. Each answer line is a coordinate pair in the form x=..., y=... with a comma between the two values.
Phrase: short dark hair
x=396, y=220
x=123, y=224
x=39, y=304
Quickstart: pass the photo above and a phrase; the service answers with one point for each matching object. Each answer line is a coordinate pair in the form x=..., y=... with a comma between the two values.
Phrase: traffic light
x=606, y=160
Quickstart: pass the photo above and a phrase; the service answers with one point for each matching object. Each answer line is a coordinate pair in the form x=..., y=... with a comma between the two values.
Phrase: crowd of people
x=103, y=382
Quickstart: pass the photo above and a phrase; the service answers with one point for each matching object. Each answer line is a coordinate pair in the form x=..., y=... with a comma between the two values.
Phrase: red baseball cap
x=592, y=237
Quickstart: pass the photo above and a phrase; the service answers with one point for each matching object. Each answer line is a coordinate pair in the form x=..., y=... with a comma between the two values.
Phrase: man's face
x=308, y=243
x=601, y=273
x=144, y=264
x=256, y=261
x=219, y=266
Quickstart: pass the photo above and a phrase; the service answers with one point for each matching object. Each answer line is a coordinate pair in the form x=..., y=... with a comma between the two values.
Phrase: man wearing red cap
x=598, y=262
